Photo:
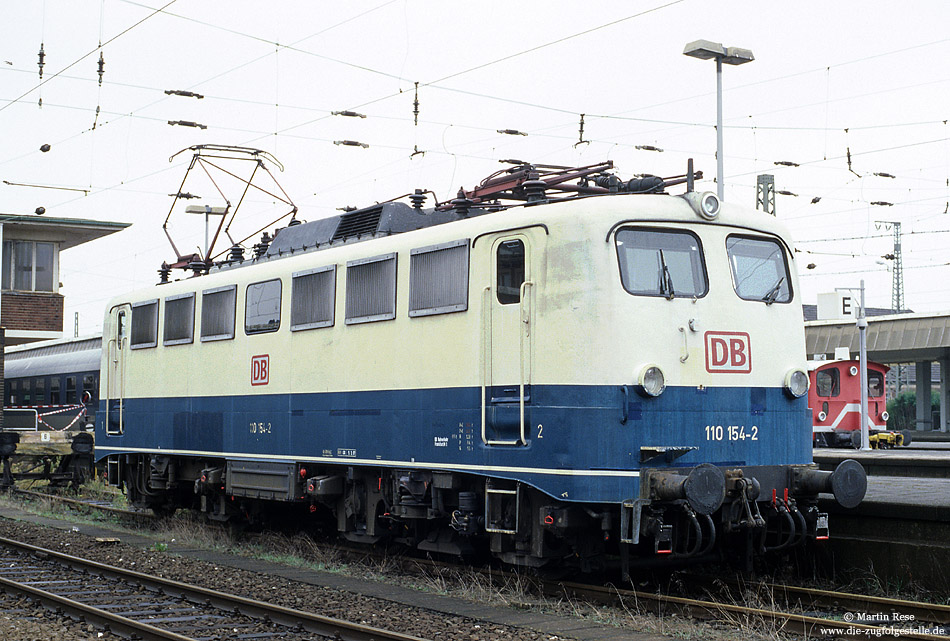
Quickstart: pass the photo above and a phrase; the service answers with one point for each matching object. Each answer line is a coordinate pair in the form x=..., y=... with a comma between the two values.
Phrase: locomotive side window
x=313, y=298
x=262, y=307
x=179, y=325
x=144, y=324
x=371, y=289
x=39, y=391
x=759, y=270
x=217, y=313
x=661, y=263
x=510, y=269
x=438, y=279
x=54, y=398
x=875, y=384
x=828, y=382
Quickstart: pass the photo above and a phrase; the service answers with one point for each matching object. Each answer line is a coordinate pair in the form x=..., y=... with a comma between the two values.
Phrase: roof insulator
x=351, y=114
x=462, y=204
x=351, y=143
x=187, y=123
x=418, y=199
x=511, y=132
x=163, y=273
x=237, y=254
x=261, y=248
x=183, y=93
x=534, y=190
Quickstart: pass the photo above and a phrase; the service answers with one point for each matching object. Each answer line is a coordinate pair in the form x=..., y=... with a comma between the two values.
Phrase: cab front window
x=759, y=270
x=661, y=262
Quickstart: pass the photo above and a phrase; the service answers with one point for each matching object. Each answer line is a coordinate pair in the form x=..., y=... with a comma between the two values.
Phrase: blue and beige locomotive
x=601, y=370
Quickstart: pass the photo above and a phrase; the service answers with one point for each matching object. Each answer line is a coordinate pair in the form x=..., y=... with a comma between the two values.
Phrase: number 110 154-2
x=731, y=433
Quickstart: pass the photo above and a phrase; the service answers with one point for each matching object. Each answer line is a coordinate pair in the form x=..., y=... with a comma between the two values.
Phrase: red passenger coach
x=834, y=400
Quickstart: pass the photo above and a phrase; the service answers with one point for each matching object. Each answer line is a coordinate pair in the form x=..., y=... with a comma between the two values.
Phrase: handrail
x=524, y=332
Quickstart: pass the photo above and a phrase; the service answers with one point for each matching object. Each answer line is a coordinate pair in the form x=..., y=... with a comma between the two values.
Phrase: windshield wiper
x=773, y=293
x=666, y=281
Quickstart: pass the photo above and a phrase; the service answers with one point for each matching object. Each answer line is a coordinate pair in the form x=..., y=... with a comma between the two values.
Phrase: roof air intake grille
x=357, y=223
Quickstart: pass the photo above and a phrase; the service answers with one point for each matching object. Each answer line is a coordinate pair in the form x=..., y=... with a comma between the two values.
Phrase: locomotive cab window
x=759, y=270
x=875, y=384
x=179, y=319
x=262, y=309
x=510, y=271
x=828, y=382
x=666, y=263
x=144, y=324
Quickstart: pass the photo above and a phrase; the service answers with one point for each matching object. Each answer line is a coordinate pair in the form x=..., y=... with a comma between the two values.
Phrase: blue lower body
x=581, y=443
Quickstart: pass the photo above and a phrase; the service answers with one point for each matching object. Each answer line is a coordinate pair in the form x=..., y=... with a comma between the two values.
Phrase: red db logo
x=260, y=369
x=728, y=353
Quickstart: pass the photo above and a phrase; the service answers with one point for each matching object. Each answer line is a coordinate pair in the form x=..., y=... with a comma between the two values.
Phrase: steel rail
x=327, y=626
x=114, y=622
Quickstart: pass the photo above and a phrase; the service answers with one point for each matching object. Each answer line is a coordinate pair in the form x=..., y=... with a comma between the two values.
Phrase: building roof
x=69, y=232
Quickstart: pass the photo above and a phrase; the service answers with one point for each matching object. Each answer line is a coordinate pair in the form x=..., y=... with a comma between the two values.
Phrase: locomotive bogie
x=534, y=381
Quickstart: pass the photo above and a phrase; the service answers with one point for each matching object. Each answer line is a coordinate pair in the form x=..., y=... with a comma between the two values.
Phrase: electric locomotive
x=602, y=370
x=834, y=401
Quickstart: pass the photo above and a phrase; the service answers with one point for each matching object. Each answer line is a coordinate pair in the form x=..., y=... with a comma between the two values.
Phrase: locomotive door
x=507, y=340
x=117, y=348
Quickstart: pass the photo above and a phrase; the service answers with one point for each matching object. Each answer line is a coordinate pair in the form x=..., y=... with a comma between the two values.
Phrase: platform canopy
x=896, y=338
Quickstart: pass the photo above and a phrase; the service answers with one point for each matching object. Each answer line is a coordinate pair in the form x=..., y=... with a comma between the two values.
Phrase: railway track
x=152, y=608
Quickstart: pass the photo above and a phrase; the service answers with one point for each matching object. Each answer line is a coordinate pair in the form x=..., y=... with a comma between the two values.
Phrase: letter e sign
x=260, y=369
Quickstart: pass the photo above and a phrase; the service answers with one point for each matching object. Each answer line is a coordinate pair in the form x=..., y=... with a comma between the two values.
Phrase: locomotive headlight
x=885, y=416
x=651, y=380
x=706, y=204
x=796, y=383
x=822, y=416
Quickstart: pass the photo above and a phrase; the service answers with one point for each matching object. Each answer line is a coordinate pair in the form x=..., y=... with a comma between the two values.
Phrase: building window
x=179, y=319
x=144, y=324
x=660, y=262
x=371, y=289
x=262, y=307
x=438, y=279
x=217, y=313
x=313, y=298
x=28, y=266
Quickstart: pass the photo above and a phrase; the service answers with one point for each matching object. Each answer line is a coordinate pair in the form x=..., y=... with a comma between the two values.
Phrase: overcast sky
x=869, y=77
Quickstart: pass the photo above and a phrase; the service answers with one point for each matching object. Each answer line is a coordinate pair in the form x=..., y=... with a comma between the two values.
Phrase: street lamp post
x=706, y=50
